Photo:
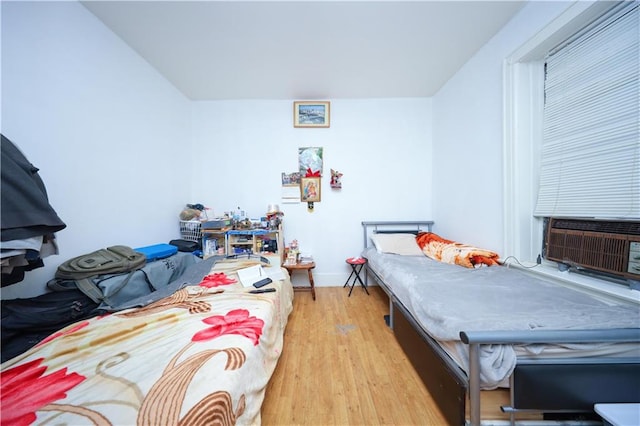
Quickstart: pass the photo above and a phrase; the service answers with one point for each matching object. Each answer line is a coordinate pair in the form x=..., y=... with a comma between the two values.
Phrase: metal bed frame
x=578, y=382
x=390, y=227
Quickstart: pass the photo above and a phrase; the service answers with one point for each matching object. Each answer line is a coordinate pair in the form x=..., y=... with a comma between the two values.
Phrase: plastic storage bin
x=157, y=251
x=191, y=230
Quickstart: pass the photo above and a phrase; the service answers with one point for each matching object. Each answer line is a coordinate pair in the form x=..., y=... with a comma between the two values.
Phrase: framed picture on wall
x=310, y=189
x=311, y=113
x=310, y=160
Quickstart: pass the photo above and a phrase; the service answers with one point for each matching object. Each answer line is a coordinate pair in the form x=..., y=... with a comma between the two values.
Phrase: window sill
x=590, y=284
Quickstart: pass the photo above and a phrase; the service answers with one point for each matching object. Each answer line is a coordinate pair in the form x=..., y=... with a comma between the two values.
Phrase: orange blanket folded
x=447, y=251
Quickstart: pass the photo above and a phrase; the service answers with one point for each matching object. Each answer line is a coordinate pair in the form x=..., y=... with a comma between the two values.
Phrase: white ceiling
x=305, y=49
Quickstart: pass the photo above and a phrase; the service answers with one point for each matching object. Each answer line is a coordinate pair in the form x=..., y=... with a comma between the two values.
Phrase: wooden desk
x=301, y=267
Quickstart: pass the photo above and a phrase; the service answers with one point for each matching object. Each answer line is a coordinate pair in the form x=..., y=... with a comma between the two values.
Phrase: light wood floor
x=341, y=365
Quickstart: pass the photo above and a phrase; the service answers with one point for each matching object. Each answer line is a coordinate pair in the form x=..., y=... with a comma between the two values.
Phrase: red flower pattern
x=25, y=389
x=216, y=280
x=236, y=321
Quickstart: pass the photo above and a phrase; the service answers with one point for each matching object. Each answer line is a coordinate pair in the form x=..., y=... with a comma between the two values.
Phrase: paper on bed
x=275, y=273
x=251, y=275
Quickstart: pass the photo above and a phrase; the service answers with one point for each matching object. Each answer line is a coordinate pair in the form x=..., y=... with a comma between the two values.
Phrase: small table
x=356, y=263
x=308, y=266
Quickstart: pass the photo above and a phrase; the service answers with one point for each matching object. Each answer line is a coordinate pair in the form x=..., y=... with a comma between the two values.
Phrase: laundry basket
x=191, y=230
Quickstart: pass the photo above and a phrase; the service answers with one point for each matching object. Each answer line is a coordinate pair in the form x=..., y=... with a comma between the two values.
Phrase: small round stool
x=356, y=263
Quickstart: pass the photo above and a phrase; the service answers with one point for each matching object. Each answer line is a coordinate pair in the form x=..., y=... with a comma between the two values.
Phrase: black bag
x=185, y=245
x=26, y=322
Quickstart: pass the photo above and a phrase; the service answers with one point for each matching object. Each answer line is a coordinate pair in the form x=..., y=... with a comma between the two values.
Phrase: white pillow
x=403, y=244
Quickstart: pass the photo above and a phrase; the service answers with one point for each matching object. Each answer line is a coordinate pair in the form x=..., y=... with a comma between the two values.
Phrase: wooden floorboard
x=341, y=365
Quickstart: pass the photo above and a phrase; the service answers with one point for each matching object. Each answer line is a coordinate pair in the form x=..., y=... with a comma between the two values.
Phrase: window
x=523, y=131
x=590, y=152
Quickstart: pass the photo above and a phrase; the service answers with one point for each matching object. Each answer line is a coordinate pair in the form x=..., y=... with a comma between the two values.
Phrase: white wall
x=109, y=134
x=468, y=136
x=98, y=120
x=383, y=148
x=113, y=141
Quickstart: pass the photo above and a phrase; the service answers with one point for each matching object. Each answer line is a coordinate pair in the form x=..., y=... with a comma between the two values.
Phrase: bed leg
x=474, y=384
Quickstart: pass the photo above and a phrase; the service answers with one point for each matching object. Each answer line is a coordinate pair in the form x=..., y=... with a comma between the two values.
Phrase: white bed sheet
x=446, y=299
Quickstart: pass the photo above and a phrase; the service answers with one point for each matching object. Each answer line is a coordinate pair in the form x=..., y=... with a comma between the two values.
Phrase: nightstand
x=308, y=266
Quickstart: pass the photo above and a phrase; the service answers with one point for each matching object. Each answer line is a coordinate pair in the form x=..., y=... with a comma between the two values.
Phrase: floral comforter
x=204, y=355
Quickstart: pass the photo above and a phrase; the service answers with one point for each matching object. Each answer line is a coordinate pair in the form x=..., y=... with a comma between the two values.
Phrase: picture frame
x=291, y=179
x=311, y=114
x=310, y=159
x=310, y=190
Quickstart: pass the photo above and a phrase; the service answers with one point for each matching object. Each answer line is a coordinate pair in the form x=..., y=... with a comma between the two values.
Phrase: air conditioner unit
x=612, y=247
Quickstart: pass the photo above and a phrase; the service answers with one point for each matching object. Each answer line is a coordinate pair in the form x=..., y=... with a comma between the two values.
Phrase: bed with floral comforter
x=203, y=355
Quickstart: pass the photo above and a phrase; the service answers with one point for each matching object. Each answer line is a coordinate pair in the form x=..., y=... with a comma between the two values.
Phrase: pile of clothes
x=28, y=221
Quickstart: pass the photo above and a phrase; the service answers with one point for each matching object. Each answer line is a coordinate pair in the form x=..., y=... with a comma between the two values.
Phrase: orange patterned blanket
x=447, y=251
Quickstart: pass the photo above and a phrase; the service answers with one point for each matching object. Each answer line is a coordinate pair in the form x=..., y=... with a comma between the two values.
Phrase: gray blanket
x=446, y=299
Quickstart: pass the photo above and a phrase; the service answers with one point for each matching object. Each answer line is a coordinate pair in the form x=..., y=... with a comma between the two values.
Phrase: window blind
x=590, y=154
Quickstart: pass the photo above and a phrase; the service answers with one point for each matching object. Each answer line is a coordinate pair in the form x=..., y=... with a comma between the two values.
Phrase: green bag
x=111, y=260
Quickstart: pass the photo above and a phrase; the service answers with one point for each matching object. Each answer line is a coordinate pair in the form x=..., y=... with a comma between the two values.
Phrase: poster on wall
x=310, y=161
x=290, y=187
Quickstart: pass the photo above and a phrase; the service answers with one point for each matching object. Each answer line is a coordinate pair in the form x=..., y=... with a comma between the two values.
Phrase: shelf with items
x=214, y=242
x=266, y=242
